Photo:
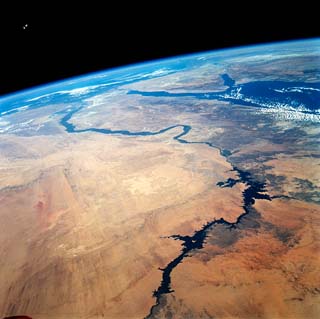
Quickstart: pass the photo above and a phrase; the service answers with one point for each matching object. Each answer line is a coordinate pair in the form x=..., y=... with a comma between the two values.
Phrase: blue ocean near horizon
x=97, y=83
x=295, y=95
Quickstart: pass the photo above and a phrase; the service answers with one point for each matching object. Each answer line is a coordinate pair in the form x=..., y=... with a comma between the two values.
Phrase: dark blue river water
x=253, y=93
x=254, y=190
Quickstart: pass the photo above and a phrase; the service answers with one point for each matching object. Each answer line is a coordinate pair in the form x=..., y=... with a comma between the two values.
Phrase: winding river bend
x=254, y=190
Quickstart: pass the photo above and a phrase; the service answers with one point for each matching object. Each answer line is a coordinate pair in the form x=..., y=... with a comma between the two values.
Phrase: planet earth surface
x=179, y=188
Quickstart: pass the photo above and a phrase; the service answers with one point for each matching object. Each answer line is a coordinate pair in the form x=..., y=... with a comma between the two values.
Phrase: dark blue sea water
x=227, y=80
x=259, y=94
x=296, y=95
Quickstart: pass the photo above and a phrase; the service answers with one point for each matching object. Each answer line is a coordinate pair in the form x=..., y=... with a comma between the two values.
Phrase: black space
x=61, y=42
